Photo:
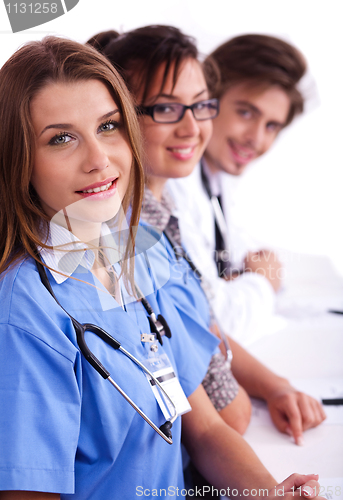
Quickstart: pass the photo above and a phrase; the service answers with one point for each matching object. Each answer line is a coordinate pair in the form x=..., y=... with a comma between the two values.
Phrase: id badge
x=160, y=366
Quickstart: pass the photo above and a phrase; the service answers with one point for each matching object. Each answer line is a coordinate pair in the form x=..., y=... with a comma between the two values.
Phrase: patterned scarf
x=159, y=214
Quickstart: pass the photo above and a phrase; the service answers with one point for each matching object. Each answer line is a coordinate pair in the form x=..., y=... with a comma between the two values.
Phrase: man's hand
x=266, y=263
x=293, y=412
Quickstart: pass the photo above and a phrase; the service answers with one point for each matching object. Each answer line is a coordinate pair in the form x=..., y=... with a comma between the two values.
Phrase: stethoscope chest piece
x=159, y=327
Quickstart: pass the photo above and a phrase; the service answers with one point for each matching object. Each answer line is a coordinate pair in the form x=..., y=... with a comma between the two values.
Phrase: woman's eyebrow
x=200, y=93
x=69, y=125
x=107, y=115
x=56, y=125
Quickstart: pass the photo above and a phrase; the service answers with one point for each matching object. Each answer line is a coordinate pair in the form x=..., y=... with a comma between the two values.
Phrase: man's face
x=249, y=121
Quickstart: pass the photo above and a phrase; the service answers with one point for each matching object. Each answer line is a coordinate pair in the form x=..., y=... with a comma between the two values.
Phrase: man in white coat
x=255, y=78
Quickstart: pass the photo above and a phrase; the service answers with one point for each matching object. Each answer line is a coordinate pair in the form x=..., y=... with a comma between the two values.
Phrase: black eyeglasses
x=171, y=112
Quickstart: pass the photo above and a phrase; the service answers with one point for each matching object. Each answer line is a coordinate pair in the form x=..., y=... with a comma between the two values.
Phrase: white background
x=290, y=198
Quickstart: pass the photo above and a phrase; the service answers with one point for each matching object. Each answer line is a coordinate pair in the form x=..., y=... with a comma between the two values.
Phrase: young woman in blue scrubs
x=69, y=171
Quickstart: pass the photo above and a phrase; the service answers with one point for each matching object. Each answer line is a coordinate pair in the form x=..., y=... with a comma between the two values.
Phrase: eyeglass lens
x=173, y=112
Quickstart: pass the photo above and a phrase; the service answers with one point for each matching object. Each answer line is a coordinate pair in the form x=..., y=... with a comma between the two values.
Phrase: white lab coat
x=243, y=307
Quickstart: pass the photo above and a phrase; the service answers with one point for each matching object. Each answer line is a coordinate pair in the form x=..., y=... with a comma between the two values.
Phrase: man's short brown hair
x=257, y=60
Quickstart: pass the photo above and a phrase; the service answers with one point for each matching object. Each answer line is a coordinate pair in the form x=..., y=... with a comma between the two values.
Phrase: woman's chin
x=87, y=211
x=184, y=172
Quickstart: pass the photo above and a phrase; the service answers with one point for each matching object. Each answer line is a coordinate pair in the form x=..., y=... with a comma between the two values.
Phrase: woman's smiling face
x=82, y=157
x=173, y=149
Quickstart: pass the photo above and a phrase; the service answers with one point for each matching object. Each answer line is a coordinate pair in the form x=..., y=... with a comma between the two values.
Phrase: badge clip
x=147, y=337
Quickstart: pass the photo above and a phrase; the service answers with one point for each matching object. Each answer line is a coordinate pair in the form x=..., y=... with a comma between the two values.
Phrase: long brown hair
x=257, y=60
x=32, y=67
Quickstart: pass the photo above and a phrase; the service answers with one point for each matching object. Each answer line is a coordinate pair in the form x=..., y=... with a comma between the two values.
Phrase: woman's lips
x=100, y=190
x=182, y=152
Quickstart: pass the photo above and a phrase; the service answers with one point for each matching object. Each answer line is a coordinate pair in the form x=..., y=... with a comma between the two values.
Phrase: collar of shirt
x=157, y=213
x=213, y=179
x=69, y=252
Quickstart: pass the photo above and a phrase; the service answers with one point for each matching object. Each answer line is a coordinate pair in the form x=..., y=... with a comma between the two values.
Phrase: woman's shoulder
x=147, y=234
x=27, y=307
x=151, y=241
x=15, y=280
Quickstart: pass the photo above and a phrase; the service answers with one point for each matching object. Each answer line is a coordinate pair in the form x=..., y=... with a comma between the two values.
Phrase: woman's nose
x=95, y=156
x=188, y=126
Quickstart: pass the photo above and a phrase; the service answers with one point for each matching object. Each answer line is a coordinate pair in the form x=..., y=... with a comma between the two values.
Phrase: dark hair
x=139, y=53
x=100, y=40
x=257, y=60
x=30, y=69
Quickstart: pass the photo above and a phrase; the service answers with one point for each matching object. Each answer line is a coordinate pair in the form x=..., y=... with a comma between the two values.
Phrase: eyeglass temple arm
x=144, y=110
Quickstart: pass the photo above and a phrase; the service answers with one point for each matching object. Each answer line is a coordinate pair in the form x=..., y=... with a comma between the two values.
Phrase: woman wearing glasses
x=175, y=135
x=161, y=69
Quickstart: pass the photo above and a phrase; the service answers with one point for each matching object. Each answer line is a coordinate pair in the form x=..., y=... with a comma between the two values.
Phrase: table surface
x=308, y=350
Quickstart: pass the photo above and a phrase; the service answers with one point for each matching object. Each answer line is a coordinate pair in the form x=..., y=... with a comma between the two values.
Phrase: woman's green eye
x=62, y=138
x=108, y=126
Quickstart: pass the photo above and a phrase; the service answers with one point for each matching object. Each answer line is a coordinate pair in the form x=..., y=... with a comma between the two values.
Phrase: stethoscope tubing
x=129, y=400
x=87, y=353
x=217, y=209
x=141, y=413
x=89, y=356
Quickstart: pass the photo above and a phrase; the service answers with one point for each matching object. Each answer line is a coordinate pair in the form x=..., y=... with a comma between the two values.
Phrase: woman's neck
x=212, y=166
x=156, y=186
x=86, y=231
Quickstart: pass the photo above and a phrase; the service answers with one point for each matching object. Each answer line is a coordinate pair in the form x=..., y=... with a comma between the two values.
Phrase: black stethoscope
x=158, y=326
x=216, y=207
x=219, y=218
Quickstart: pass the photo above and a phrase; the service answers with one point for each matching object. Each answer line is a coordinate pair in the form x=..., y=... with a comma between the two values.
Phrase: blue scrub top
x=182, y=285
x=65, y=429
